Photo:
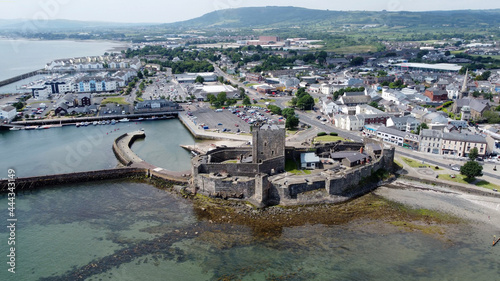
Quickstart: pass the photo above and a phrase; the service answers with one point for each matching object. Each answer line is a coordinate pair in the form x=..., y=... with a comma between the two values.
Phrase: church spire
x=464, y=86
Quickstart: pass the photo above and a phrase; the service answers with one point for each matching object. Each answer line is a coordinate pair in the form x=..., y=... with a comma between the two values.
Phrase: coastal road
x=435, y=161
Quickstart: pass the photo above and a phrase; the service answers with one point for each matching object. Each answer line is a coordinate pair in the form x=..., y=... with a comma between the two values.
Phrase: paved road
x=435, y=161
x=311, y=120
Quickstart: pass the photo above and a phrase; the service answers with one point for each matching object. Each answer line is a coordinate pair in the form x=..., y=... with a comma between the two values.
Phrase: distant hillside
x=279, y=17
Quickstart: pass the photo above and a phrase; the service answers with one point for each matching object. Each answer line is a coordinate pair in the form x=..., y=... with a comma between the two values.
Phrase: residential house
x=350, y=101
x=430, y=141
x=436, y=94
x=460, y=144
x=405, y=123
x=329, y=107
x=348, y=122
x=254, y=77
x=326, y=89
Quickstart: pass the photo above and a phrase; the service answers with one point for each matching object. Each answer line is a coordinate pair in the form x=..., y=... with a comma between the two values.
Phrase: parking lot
x=162, y=87
x=231, y=120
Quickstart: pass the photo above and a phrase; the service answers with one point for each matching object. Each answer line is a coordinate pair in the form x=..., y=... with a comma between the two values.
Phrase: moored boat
x=124, y=120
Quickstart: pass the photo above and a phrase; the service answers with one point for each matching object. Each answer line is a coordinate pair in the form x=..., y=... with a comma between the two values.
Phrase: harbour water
x=132, y=231
x=117, y=230
x=22, y=56
x=72, y=149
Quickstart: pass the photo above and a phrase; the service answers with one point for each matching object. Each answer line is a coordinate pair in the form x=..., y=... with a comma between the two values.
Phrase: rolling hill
x=281, y=17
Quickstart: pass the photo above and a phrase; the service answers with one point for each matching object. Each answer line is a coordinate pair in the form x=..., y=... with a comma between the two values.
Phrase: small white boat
x=86, y=124
x=30, y=127
x=113, y=122
x=95, y=123
x=124, y=120
x=77, y=125
x=15, y=129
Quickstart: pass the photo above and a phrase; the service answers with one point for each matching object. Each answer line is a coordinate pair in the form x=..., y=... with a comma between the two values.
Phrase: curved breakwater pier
x=135, y=167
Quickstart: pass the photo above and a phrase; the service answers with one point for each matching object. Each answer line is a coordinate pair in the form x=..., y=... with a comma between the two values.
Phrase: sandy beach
x=481, y=211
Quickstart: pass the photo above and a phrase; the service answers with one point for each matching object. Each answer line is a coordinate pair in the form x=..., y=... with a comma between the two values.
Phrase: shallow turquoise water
x=63, y=230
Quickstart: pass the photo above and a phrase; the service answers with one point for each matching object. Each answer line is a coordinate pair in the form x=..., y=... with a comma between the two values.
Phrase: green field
x=354, y=49
x=118, y=100
x=324, y=139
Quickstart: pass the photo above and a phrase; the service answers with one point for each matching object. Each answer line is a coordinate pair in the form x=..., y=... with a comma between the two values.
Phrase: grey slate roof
x=464, y=137
x=391, y=131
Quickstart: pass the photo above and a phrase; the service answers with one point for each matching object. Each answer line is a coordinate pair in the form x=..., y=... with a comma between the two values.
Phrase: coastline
x=476, y=208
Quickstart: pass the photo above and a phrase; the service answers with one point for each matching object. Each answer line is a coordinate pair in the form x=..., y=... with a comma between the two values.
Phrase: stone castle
x=257, y=173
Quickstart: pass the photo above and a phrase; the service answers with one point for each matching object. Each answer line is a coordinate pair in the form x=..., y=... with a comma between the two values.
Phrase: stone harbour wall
x=32, y=183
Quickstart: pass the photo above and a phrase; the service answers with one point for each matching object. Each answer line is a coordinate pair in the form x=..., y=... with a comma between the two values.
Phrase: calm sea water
x=69, y=149
x=22, y=56
x=117, y=230
x=134, y=231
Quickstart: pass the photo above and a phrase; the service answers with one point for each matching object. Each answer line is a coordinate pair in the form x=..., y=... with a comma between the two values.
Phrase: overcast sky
x=171, y=11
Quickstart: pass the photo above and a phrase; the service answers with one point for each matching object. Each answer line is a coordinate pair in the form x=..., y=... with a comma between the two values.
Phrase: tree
x=357, y=61
x=491, y=117
x=199, y=79
x=305, y=102
x=246, y=101
x=420, y=127
x=211, y=99
x=139, y=74
x=292, y=122
x=274, y=109
x=288, y=112
x=473, y=153
x=222, y=98
x=242, y=92
x=471, y=169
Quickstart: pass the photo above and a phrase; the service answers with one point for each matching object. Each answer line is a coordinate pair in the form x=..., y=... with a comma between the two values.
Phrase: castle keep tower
x=268, y=143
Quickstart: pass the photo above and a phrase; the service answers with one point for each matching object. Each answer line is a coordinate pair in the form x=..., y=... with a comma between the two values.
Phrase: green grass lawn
x=487, y=185
x=139, y=99
x=462, y=179
x=418, y=164
x=328, y=139
x=398, y=164
x=118, y=100
x=293, y=167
